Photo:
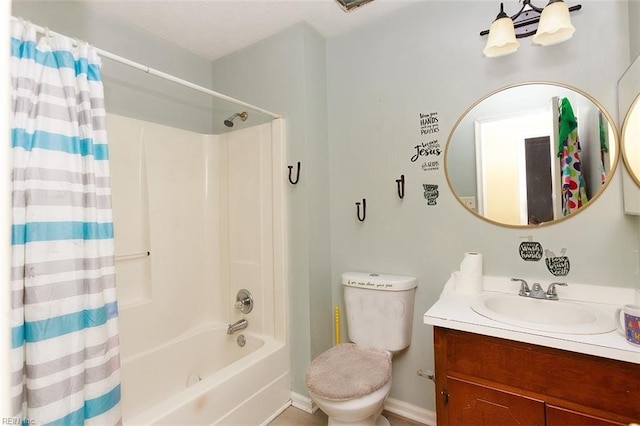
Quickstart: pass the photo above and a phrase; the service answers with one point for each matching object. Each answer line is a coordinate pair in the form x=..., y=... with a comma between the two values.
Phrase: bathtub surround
x=209, y=210
x=65, y=342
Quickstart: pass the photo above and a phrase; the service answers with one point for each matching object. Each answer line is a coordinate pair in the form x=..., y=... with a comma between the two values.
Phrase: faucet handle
x=551, y=291
x=524, y=287
x=244, y=301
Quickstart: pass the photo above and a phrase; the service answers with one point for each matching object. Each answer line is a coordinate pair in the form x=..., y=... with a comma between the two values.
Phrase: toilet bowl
x=350, y=384
x=351, y=381
x=363, y=411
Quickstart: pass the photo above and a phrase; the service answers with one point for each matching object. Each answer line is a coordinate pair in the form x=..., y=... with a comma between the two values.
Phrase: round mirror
x=531, y=154
x=631, y=140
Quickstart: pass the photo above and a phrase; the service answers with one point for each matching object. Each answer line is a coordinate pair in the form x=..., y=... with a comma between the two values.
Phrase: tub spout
x=238, y=325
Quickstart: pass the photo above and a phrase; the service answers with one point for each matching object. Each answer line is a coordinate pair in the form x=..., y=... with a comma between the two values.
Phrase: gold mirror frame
x=613, y=161
x=633, y=169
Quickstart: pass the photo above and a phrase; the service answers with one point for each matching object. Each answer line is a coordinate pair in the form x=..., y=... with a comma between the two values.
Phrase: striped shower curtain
x=66, y=355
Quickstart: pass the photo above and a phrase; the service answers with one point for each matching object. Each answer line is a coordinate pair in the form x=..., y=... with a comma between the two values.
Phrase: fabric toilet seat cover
x=348, y=371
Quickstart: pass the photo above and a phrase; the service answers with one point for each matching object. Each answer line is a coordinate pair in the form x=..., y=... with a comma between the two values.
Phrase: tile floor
x=295, y=417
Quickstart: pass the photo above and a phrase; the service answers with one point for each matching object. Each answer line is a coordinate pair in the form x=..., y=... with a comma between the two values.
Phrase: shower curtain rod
x=157, y=73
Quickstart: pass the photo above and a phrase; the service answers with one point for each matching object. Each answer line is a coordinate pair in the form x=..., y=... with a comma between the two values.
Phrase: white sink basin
x=554, y=316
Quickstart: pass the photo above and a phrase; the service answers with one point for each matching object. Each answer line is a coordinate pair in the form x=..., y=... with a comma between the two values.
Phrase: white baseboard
x=410, y=412
x=276, y=414
x=303, y=403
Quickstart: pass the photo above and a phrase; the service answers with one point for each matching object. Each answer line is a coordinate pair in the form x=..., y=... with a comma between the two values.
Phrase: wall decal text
x=429, y=123
x=428, y=166
x=557, y=265
x=530, y=251
x=426, y=149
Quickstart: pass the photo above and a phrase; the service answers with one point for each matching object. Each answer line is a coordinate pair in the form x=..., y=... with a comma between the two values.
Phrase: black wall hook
x=364, y=210
x=400, y=183
x=291, y=181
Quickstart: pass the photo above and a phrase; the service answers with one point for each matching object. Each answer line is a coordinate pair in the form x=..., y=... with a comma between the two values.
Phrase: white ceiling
x=214, y=28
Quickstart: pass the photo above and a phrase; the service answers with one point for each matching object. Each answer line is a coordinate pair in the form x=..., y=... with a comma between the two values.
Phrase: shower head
x=229, y=121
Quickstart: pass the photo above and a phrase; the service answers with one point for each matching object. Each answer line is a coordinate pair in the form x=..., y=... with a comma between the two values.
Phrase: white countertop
x=452, y=311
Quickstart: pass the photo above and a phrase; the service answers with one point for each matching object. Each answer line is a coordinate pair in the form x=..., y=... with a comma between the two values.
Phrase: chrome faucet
x=238, y=325
x=536, y=291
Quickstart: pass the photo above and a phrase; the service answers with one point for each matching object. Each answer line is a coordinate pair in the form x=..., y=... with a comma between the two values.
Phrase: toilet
x=351, y=381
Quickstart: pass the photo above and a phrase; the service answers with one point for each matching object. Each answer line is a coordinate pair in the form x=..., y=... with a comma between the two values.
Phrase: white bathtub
x=238, y=386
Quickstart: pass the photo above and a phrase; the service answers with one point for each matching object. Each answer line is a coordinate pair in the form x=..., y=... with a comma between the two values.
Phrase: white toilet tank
x=379, y=309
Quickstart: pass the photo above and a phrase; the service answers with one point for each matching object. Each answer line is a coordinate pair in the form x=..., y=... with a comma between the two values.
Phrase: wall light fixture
x=348, y=5
x=548, y=26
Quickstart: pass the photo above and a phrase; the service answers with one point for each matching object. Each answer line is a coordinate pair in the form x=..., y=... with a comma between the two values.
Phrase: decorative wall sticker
x=429, y=123
x=557, y=265
x=530, y=251
x=426, y=149
x=428, y=166
x=431, y=149
x=430, y=193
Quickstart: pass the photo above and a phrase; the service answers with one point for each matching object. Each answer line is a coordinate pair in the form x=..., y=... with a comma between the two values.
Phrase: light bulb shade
x=555, y=25
x=502, y=38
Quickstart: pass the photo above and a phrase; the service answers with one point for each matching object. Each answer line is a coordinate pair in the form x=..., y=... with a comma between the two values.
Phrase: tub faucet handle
x=244, y=301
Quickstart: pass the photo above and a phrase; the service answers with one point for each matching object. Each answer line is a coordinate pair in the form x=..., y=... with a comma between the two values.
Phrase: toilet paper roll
x=471, y=265
x=464, y=284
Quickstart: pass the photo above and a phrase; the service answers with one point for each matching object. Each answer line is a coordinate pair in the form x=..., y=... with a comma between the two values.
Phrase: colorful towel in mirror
x=574, y=194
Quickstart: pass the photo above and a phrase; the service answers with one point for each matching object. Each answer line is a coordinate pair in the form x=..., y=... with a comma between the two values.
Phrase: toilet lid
x=348, y=371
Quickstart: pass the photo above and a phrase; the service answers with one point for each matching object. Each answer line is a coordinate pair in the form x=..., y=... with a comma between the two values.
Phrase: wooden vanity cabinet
x=483, y=380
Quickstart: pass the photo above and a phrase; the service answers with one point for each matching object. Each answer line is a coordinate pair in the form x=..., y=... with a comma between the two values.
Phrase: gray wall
x=634, y=28
x=380, y=78
x=128, y=91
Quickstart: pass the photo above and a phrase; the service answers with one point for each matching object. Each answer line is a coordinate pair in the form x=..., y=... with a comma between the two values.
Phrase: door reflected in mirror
x=531, y=154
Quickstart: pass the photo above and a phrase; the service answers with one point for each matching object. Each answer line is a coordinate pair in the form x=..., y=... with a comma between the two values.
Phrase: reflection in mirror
x=631, y=140
x=531, y=154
